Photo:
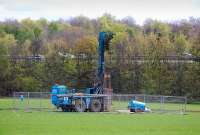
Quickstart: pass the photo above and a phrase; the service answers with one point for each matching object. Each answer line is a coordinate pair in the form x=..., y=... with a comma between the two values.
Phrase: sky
x=164, y=10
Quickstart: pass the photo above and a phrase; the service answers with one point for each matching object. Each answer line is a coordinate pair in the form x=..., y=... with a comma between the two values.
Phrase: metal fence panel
x=32, y=101
x=156, y=103
x=42, y=101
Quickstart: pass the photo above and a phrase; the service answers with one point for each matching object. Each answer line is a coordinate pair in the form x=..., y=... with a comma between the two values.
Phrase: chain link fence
x=156, y=103
x=32, y=101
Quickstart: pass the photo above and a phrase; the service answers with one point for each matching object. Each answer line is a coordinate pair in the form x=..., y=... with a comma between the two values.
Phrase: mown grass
x=58, y=123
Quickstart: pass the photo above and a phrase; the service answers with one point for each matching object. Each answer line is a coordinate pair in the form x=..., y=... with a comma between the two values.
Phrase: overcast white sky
x=165, y=10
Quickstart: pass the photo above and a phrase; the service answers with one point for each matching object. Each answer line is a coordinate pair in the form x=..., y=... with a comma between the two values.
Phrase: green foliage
x=108, y=23
x=53, y=27
x=4, y=64
x=70, y=48
x=86, y=45
x=6, y=45
x=27, y=84
x=181, y=44
x=70, y=68
x=155, y=27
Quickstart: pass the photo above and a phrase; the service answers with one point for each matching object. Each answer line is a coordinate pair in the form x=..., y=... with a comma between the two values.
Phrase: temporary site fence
x=41, y=101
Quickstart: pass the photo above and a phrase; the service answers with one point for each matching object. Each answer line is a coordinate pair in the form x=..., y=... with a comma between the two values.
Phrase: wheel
x=65, y=109
x=95, y=105
x=132, y=110
x=80, y=105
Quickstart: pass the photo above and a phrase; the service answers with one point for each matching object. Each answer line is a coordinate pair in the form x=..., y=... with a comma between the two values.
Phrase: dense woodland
x=69, y=48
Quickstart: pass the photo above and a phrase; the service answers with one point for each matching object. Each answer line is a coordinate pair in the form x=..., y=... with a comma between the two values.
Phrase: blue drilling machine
x=94, y=99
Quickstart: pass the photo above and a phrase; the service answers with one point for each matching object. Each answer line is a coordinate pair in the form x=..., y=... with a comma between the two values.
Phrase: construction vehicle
x=96, y=98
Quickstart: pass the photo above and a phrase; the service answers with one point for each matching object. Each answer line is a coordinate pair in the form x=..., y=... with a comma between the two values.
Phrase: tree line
x=70, y=46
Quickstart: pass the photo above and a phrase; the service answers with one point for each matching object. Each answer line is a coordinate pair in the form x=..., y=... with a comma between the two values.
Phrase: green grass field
x=59, y=123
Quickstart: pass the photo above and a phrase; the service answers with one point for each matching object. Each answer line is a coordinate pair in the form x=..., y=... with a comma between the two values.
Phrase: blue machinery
x=94, y=99
x=136, y=106
x=104, y=41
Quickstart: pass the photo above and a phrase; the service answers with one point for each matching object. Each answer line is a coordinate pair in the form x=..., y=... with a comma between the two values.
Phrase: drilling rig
x=94, y=99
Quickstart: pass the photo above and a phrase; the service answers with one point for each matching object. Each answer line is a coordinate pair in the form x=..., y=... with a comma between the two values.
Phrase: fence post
x=119, y=98
x=81, y=104
x=40, y=107
x=28, y=107
x=160, y=103
x=163, y=103
x=185, y=104
x=14, y=107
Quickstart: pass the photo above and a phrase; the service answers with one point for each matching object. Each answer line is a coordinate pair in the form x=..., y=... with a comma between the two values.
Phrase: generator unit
x=136, y=106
